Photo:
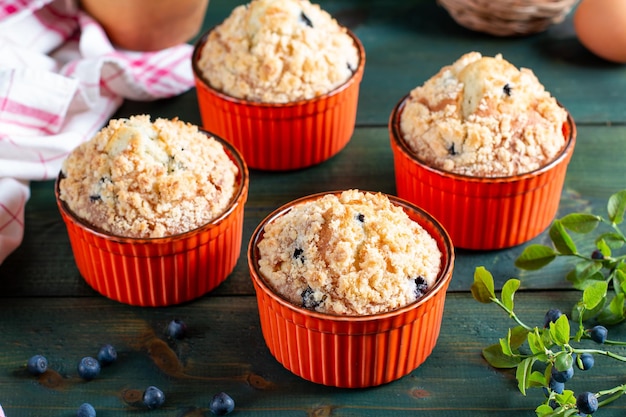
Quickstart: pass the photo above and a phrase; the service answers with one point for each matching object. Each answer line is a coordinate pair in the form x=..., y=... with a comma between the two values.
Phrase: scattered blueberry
x=562, y=376
x=37, y=364
x=86, y=410
x=587, y=403
x=107, y=354
x=556, y=386
x=596, y=254
x=221, y=404
x=176, y=329
x=507, y=89
x=598, y=334
x=551, y=317
x=88, y=368
x=585, y=361
x=153, y=397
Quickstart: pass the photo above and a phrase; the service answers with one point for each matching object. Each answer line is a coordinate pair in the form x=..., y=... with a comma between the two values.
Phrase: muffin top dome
x=354, y=253
x=278, y=51
x=138, y=178
x=482, y=116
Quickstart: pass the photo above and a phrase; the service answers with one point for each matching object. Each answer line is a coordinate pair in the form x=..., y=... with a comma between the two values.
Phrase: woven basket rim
x=508, y=17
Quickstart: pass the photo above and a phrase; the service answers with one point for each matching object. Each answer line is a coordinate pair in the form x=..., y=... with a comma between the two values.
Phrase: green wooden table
x=46, y=307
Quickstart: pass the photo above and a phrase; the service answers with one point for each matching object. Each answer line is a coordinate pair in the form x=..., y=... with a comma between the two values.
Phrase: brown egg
x=601, y=27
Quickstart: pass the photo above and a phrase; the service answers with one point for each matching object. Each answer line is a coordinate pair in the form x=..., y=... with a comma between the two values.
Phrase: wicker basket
x=507, y=17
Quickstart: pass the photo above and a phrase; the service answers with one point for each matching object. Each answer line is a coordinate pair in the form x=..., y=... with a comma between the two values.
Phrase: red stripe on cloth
x=42, y=119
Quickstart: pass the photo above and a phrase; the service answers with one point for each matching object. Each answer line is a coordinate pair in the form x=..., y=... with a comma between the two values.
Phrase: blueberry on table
x=86, y=410
x=153, y=397
x=88, y=368
x=598, y=334
x=37, y=364
x=585, y=361
x=551, y=317
x=221, y=404
x=107, y=354
x=587, y=403
x=176, y=329
x=562, y=376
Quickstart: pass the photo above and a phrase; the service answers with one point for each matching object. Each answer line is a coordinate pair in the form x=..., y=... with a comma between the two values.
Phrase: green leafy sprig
x=593, y=273
x=534, y=351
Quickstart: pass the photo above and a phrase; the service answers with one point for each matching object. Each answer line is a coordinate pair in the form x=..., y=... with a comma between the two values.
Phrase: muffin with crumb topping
x=484, y=147
x=353, y=254
x=350, y=286
x=153, y=209
x=280, y=80
x=139, y=178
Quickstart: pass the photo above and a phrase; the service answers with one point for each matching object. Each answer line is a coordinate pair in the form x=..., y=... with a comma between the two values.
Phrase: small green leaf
x=495, y=357
x=544, y=410
x=559, y=331
x=508, y=292
x=505, y=346
x=535, y=342
x=612, y=240
x=522, y=374
x=594, y=294
x=584, y=273
x=483, y=288
x=603, y=247
x=580, y=222
x=518, y=335
x=616, y=207
x=562, y=240
x=537, y=379
x=614, y=312
x=535, y=256
x=563, y=361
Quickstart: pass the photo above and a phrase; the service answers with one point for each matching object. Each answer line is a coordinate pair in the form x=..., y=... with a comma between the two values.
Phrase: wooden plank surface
x=225, y=351
x=46, y=307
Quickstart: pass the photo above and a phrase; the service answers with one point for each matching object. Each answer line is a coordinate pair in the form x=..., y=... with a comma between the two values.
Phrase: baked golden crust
x=483, y=117
x=351, y=254
x=136, y=178
x=278, y=51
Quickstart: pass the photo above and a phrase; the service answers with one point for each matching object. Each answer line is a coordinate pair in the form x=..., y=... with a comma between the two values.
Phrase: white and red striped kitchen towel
x=60, y=82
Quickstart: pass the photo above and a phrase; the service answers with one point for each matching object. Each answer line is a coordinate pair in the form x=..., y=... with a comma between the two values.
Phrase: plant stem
x=511, y=314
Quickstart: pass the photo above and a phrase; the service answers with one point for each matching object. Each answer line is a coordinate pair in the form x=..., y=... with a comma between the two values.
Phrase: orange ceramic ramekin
x=282, y=136
x=161, y=271
x=482, y=213
x=352, y=351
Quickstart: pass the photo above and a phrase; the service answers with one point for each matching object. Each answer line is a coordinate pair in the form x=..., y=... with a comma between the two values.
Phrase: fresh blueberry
x=88, y=368
x=37, y=364
x=221, y=404
x=86, y=410
x=556, y=386
x=551, y=317
x=107, y=354
x=585, y=361
x=153, y=397
x=587, y=403
x=562, y=376
x=596, y=254
x=176, y=329
x=598, y=334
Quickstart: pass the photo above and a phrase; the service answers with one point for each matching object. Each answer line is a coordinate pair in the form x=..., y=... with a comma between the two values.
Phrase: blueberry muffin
x=278, y=51
x=353, y=253
x=483, y=117
x=137, y=178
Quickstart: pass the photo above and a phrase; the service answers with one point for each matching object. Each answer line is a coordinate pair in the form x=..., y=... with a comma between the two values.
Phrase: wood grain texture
x=46, y=307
